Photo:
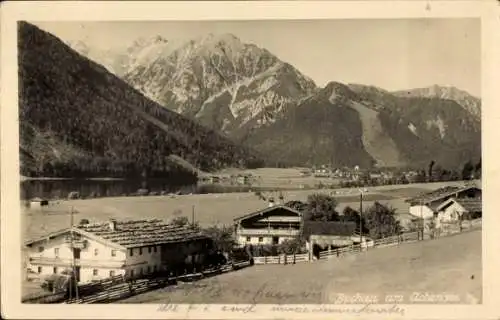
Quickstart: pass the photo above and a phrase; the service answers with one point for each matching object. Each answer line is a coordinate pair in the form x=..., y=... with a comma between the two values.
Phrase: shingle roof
x=438, y=194
x=334, y=228
x=131, y=234
x=265, y=210
x=471, y=205
x=138, y=233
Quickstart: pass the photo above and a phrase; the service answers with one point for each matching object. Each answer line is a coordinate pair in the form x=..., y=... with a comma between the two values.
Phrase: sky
x=388, y=53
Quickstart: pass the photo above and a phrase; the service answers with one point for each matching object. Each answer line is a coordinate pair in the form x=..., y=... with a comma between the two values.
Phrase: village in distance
x=196, y=172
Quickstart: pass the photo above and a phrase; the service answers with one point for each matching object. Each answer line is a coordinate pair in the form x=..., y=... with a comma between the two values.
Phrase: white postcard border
x=142, y=10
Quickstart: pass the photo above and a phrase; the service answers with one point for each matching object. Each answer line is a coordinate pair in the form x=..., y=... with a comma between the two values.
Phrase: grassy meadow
x=432, y=266
x=208, y=209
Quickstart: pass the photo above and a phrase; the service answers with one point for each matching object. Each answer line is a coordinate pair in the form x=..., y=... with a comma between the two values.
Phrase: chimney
x=271, y=202
x=112, y=224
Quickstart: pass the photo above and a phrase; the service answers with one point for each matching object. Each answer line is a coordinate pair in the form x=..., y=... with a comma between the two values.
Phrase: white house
x=459, y=209
x=102, y=250
x=38, y=203
x=272, y=225
x=425, y=205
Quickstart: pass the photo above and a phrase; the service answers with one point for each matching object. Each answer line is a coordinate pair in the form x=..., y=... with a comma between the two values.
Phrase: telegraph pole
x=73, y=280
x=422, y=219
x=192, y=216
x=361, y=217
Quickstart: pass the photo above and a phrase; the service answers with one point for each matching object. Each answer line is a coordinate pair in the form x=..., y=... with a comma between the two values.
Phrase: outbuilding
x=38, y=203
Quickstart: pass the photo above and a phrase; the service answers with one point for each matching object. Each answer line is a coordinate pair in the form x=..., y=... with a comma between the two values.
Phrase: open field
x=450, y=265
x=209, y=208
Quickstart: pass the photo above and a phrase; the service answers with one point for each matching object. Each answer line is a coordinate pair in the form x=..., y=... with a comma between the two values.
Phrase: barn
x=424, y=206
x=459, y=209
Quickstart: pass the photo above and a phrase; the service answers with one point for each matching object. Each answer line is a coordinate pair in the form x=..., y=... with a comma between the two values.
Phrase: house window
x=40, y=249
x=149, y=269
x=155, y=249
x=95, y=272
x=261, y=239
x=154, y=268
x=132, y=273
x=39, y=269
x=149, y=249
x=113, y=253
x=96, y=252
x=140, y=251
x=140, y=271
x=131, y=252
x=112, y=273
x=56, y=252
x=54, y=270
x=248, y=239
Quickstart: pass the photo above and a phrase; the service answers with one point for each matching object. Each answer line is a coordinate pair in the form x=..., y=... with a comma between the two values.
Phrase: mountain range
x=78, y=119
x=269, y=107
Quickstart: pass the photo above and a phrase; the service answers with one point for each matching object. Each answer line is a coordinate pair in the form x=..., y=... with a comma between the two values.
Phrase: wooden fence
x=282, y=259
x=454, y=228
x=116, y=288
x=379, y=243
x=84, y=289
x=384, y=242
x=408, y=237
x=128, y=289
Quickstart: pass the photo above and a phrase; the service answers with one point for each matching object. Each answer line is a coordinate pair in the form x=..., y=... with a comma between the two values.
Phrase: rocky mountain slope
x=426, y=128
x=119, y=60
x=76, y=118
x=219, y=80
x=258, y=100
x=466, y=100
x=362, y=125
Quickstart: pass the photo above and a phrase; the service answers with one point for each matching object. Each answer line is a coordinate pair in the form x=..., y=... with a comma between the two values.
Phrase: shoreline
x=335, y=192
x=24, y=178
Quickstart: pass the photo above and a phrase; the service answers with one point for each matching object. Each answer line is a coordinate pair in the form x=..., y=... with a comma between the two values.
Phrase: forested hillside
x=77, y=119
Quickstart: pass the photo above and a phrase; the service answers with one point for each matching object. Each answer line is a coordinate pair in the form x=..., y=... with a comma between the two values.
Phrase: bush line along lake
x=93, y=188
x=96, y=188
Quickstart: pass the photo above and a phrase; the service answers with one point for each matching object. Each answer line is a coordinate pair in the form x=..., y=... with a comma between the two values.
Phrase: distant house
x=213, y=179
x=243, y=179
x=323, y=172
x=38, y=203
x=129, y=248
x=425, y=205
x=272, y=225
x=324, y=235
x=459, y=209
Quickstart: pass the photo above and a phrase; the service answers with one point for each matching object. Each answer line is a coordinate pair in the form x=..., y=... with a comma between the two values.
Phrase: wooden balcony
x=268, y=232
x=67, y=262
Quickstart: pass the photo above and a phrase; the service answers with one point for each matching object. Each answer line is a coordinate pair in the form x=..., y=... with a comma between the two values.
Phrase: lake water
x=59, y=189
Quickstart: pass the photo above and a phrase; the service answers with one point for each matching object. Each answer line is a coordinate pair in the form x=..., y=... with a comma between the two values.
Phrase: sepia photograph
x=238, y=163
